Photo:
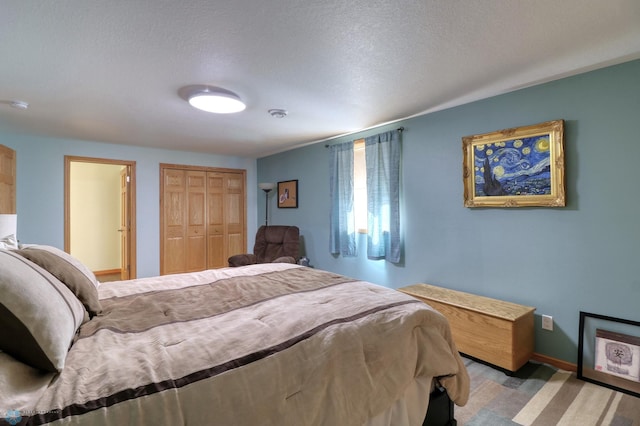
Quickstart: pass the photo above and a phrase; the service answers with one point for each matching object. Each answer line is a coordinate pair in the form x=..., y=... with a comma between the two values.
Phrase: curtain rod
x=399, y=129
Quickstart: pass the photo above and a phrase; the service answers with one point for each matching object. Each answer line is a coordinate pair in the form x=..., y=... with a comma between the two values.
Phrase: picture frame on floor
x=517, y=167
x=609, y=352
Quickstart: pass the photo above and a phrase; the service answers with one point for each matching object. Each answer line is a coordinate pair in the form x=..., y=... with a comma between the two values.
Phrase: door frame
x=8, y=178
x=131, y=165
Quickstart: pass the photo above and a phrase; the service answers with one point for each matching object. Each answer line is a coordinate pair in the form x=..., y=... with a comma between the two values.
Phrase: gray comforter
x=273, y=344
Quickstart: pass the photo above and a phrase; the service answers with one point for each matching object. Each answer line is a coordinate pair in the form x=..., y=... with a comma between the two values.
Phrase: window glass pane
x=360, y=186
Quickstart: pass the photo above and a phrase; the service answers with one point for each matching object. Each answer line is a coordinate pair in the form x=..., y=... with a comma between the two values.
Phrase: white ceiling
x=110, y=70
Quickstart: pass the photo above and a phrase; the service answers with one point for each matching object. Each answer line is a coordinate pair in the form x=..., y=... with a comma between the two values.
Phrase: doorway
x=99, y=215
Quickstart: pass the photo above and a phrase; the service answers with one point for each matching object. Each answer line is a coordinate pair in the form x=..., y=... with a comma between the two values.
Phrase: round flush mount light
x=212, y=99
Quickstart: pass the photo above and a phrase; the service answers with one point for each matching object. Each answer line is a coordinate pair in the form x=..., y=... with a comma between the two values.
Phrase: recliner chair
x=274, y=244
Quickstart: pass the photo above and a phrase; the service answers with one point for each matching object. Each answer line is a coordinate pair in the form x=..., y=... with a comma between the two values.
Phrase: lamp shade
x=266, y=186
x=8, y=225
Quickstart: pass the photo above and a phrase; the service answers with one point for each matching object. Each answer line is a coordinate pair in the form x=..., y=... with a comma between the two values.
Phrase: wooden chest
x=498, y=332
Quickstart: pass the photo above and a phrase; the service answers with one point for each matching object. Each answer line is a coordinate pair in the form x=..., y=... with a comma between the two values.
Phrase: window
x=364, y=182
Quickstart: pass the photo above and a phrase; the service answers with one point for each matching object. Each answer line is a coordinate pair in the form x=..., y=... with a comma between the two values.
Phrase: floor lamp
x=266, y=187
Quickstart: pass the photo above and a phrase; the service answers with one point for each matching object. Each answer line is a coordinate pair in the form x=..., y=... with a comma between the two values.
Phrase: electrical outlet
x=547, y=322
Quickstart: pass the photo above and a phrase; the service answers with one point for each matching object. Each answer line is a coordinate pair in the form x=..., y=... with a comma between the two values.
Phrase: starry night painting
x=517, y=167
x=513, y=167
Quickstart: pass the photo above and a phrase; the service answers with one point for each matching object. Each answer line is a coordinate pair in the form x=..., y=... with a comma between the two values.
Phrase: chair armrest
x=284, y=259
x=242, y=259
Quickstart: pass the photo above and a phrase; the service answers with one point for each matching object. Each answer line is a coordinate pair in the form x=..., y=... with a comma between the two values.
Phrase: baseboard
x=558, y=363
x=106, y=272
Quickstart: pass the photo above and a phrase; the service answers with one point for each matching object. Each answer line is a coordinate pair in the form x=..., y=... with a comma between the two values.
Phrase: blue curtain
x=342, y=226
x=382, y=153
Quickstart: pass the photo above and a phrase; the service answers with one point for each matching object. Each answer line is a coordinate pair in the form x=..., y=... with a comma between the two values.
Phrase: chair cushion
x=284, y=259
x=242, y=259
x=276, y=241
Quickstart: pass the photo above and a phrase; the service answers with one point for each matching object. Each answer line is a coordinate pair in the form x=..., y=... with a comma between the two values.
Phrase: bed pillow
x=63, y=255
x=9, y=242
x=70, y=271
x=39, y=316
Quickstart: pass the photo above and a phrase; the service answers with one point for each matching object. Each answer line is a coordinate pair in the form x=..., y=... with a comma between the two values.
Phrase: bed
x=267, y=344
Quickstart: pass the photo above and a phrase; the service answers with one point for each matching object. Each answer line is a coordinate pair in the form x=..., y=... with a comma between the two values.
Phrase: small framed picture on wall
x=288, y=194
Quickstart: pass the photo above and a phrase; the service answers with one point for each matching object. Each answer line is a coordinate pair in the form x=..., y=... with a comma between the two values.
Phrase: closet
x=202, y=219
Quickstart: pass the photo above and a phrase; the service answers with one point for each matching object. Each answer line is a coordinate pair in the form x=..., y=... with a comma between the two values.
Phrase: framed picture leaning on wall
x=609, y=352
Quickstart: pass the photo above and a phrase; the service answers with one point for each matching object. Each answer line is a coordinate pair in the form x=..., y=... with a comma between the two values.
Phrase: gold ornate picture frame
x=517, y=167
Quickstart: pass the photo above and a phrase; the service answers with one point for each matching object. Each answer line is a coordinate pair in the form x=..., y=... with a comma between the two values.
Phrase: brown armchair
x=275, y=243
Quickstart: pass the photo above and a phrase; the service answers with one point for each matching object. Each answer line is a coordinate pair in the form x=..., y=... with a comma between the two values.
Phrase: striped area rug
x=541, y=395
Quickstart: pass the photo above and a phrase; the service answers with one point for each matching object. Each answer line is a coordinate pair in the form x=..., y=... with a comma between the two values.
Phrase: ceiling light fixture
x=278, y=113
x=212, y=99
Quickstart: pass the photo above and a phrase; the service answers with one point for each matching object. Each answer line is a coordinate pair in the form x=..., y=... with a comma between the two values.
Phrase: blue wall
x=584, y=256
x=40, y=188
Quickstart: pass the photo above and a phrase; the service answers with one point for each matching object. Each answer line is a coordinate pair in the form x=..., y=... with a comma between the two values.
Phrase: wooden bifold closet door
x=203, y=217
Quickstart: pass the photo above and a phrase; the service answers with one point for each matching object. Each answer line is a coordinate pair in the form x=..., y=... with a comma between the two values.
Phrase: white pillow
x=39, y=316
x=9, y=242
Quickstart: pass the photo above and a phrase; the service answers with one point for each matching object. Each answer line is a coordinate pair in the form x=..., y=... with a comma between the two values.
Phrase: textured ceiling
x=110, y=70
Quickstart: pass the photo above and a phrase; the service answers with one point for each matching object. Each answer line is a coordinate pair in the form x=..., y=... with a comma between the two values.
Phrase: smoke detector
x=278, y=113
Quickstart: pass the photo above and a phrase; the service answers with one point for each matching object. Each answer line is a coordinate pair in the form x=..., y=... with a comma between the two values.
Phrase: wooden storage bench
x=500, y=333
